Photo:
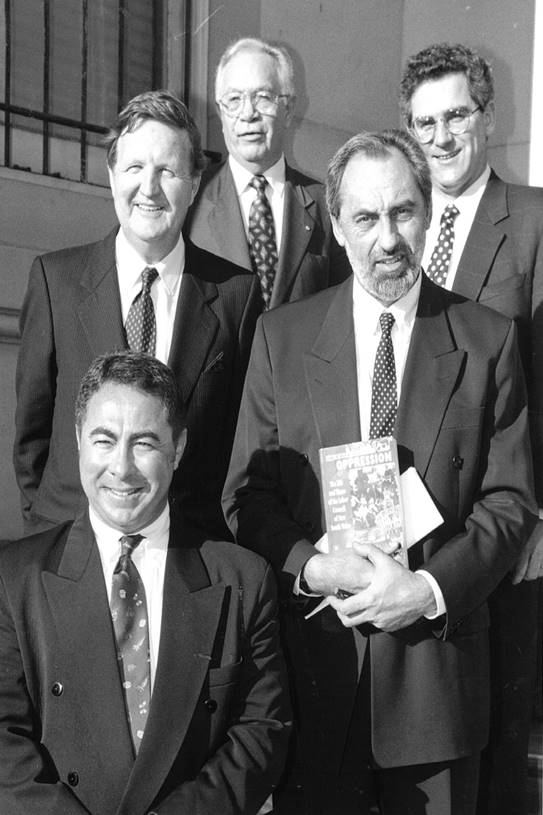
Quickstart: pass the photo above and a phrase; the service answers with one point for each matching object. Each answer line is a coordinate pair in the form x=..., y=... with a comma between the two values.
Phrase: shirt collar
x=474, y=191
x=153, y=533
x=130, y=264
x=367, y=309
x=274, y=175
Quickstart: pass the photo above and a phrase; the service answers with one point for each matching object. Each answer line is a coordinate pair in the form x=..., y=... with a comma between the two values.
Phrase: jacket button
x=304, y=459
x=458, y=462
x=309, y=526
x=57, y=689
x=73, y=779
x=210, y=705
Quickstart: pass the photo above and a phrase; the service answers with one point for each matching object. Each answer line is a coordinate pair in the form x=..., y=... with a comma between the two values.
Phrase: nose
x=121, y=461
x=442, y=135
x=388, y=234
x=248, y=110
x=149, y=182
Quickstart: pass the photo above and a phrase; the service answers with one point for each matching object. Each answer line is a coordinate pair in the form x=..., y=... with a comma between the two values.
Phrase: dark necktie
x=383, y=389
x=262, y=244
x=130, y=623
x=438, y=268
x=140, y=323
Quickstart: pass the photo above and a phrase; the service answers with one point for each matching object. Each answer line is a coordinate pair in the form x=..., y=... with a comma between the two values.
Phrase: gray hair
x=378, y=145
x=282, y=58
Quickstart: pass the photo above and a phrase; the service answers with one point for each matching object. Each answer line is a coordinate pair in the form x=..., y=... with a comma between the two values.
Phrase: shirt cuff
x=298, y=587
x=438, y=594
x=540, y=513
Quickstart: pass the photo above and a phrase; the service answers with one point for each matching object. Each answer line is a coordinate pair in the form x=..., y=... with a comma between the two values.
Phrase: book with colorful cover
x=362, y=495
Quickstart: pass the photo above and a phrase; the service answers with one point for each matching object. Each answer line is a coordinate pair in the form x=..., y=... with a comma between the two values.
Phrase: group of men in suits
x=390, y=684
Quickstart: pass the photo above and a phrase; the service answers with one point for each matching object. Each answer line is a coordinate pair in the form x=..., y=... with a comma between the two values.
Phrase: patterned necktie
x=383, y=389
x=130, y=623
x=140, y=323
x=438, y=268
x=262, y=245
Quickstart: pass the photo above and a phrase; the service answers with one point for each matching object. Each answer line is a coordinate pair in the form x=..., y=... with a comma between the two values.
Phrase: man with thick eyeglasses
x=485, y=241
x=254, y=209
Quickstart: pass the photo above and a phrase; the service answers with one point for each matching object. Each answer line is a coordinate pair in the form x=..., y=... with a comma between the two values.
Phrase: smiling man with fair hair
x=143, y=287
x=255, y=209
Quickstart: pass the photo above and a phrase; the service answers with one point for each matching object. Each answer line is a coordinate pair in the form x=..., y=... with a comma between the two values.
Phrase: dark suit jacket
x=71, y=314
x=309, y=260
x=502, y=267
x=462, y=422
x=216, y=735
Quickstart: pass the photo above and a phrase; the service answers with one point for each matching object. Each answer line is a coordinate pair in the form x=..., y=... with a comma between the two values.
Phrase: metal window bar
x=82, y=126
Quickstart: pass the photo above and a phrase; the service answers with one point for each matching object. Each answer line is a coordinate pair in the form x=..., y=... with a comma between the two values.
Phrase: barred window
x=68, y=67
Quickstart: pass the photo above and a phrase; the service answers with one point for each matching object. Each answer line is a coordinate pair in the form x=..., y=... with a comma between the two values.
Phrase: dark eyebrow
x=102, y=431
x=144, y=434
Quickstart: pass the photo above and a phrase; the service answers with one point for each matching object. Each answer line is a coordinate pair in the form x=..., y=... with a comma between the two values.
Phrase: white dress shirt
x=149, y=558
x=367, y=333
x=275, y=192
x=467, y=204
x=164, y=291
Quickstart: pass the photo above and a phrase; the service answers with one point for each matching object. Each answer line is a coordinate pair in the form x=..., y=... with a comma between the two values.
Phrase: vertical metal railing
x=84, y=91
x=45, y=116
x=46, y=61
x=7, y=85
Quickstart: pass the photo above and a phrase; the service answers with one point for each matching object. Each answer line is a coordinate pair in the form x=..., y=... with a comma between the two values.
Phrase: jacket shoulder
x=73, y=254
x=21, y=558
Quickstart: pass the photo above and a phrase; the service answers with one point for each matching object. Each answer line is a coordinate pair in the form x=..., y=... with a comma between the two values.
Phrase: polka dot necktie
x=130, y=623
x=262, y=244
x=140, y=323
x=438, y=268
x=383, y=389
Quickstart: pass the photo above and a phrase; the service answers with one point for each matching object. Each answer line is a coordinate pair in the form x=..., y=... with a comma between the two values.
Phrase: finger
x=369, y=551
x=520, y=570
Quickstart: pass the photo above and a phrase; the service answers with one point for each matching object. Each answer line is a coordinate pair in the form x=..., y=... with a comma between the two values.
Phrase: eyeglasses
x=456, y=120
x=263, y=101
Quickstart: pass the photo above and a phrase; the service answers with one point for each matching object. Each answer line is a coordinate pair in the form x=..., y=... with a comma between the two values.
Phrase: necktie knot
x=258, y=183
x=449, y=214
x=148, y=276
x=386, y=321
x=129, y=543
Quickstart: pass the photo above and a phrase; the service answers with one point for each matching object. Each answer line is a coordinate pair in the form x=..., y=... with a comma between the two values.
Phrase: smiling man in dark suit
x=255, y=96
x=494, y=254
x=143, y=287
x=391, y=683
x=141, y=671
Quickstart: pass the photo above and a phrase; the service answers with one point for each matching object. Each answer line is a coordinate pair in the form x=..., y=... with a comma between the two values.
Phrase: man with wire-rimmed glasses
x=485, y=242
x=254, y=209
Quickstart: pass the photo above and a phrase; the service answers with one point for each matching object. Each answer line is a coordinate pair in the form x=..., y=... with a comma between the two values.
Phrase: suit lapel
x=190, y=616
x=225, y=222
x=298, y=226
x=431, y=371
x=484, y=239
x=330, y=372
x=100, y=307
x=78, y=600
x=195, y=325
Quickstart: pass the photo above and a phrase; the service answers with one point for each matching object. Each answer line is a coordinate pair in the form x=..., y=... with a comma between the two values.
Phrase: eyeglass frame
x=467, y=117
x=250, y=95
